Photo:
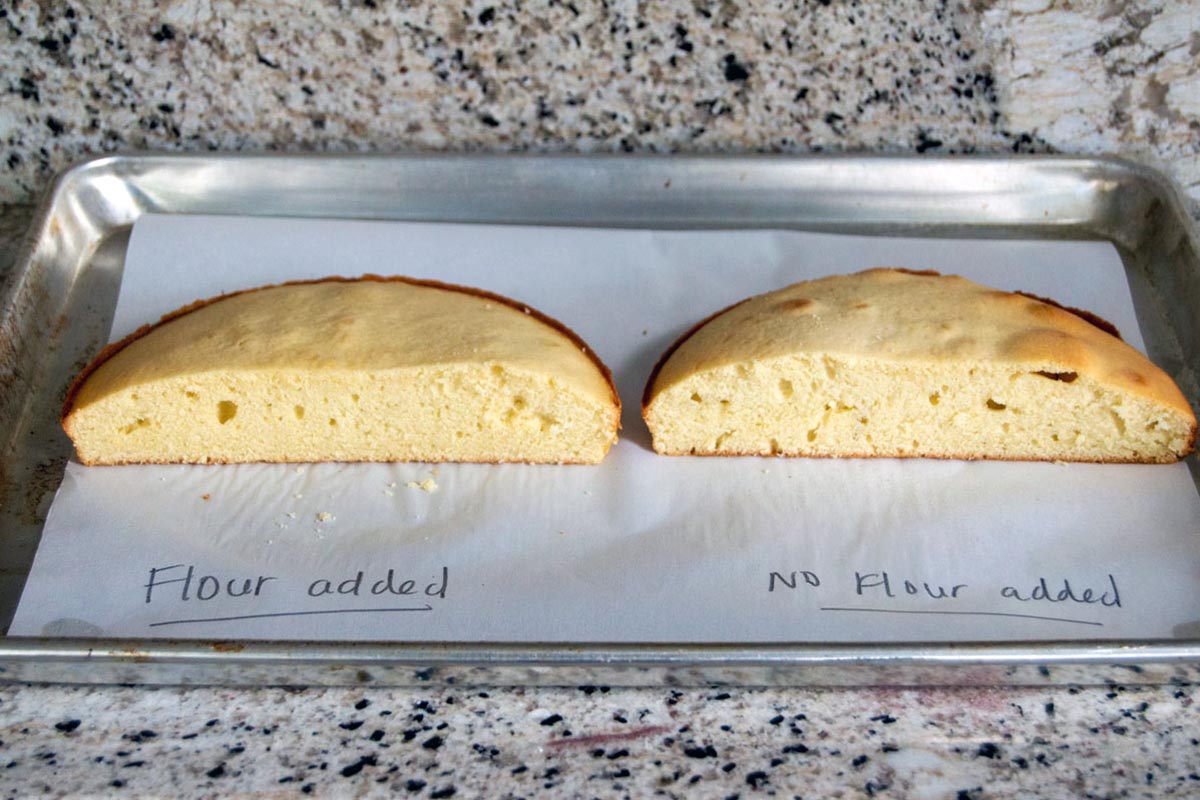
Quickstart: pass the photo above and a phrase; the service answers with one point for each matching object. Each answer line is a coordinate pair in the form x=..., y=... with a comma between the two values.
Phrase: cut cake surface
x=367, y=369
x=895, y=363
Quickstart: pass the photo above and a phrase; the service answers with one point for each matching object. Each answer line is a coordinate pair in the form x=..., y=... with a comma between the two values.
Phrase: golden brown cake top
x=903, y=315
x=346, y=324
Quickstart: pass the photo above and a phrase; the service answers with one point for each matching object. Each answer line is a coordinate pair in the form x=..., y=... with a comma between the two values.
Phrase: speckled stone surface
x=703, y=76
x=1102, y=76
x=597, y=742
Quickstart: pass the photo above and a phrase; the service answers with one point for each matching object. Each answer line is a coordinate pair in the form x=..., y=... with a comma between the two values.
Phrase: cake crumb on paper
x=324, y=516
x=427, y=485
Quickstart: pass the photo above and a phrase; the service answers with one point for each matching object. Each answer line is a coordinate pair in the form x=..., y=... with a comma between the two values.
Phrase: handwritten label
x=171, y=585
x=883, y=591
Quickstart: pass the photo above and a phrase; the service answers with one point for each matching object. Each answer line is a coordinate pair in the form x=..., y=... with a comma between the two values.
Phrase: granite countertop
x=896, y=76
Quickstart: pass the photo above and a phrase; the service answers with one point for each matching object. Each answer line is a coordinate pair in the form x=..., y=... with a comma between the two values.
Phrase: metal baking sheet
x=57, y=304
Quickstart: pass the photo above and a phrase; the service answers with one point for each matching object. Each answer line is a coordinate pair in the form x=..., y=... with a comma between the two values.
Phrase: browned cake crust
x=1096, y=321
x=112, y=349
x=1087, y=316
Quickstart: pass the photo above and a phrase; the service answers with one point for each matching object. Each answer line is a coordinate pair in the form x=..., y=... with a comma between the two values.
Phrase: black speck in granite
x=926, y=142
x=350, y=770
x=55, y=125
x=756, y=779
x=352, y=725
x=66, y=726
x=859, y=761
x=487, y=15
x=432, y=743
x=217, y=771
x=735, y=70
x=553, y=719
x=414, y=785
x=777, y=719
x=708, y=751
x=361, y=704
x=730, y=767
x=886, y=719
x=164, y=34
x=445, y=791
x=376, y=735
x=989, y=750
x=795, y=748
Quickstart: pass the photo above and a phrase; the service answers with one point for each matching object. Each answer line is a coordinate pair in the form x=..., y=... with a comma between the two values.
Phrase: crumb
x=392, y=485
x=298, y=496
x=427, y=485
x=389, y=492
x=562, y=533
x=206, y=497
x=292, y=514
x=588, y=492
x=645, y=331
x=766, y=472
x=324, y=516
x=299, y=470
x=433, y=471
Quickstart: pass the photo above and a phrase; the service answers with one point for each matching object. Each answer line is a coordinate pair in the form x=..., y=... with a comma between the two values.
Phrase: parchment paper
x=642, y=547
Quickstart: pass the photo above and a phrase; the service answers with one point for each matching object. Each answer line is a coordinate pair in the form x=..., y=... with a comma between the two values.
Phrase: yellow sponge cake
x=897, y=363
x=369, y=369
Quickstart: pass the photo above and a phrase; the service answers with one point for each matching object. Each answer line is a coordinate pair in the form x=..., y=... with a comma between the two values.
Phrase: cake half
x=894, y=363
x=369, y=369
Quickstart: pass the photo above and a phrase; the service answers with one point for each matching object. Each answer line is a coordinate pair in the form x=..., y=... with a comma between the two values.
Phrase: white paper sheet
x=642, y=547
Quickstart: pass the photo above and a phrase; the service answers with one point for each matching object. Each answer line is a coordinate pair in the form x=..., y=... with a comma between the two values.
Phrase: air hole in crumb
x=140, y=422
x=497, y=370
x=785, y=388
x=934, y=398
x=299, y=412
x=864, y=420
x=190, y=395
x=1065, y=377
x=353, y=398
x=519, y=403
x=696, y=397
x=226, y=410
x=332, y=421
x=994, y=406
x=775, y=449
x=812, y=435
